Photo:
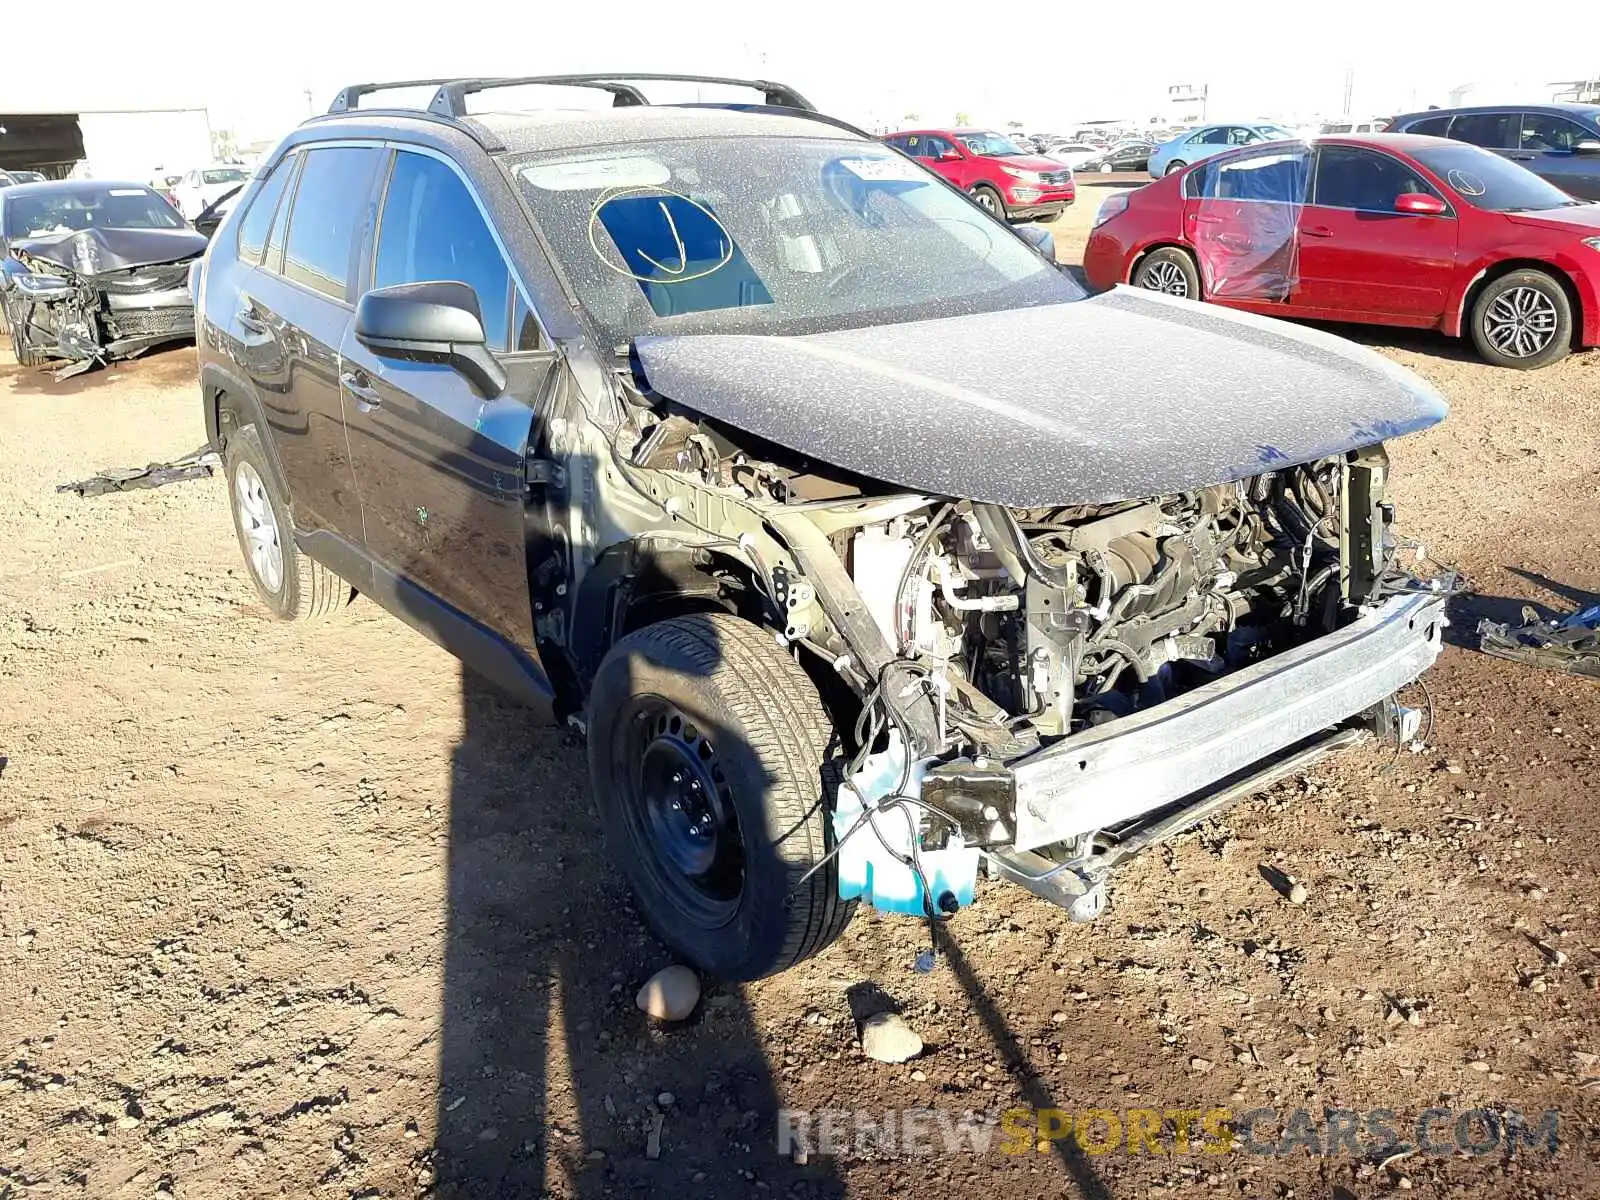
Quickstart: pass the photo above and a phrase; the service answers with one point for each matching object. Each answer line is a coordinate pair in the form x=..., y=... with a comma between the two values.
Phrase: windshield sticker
x=1466, y=183
x=889, y=169
x=126, y=192
x=676, y=249
x=598, y=173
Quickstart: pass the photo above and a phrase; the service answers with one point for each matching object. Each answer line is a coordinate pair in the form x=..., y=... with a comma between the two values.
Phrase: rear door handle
x=356, y=384
x=1318, y=231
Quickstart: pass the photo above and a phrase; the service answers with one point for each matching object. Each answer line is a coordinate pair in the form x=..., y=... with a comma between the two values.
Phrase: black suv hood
x=1120, y=397
x=118, y=249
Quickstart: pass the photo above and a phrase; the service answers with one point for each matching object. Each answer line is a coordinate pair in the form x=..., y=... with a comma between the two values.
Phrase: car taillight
x=1111, y=206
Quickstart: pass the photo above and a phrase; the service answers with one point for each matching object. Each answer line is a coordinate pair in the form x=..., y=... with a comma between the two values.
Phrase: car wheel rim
x=1165, y=277
x=259, y=526
x=985, y=201
x=1522, y=322
x=679, y=807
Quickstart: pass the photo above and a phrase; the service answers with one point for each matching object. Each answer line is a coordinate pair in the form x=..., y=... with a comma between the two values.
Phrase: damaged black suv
x=857, y=540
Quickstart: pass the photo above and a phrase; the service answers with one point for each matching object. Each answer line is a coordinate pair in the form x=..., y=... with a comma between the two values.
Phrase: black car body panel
x=1557, y=142
x=1036, y=406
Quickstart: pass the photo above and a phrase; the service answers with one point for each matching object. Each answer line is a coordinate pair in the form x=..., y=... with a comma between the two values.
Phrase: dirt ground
x=302, y=910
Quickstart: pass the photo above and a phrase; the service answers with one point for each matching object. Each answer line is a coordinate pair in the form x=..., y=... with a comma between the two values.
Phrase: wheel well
x=1133, y=267
x=1501, y=269
x=636, y=585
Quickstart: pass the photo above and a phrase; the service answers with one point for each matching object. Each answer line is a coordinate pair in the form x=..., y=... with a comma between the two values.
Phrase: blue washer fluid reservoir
x=867, y=869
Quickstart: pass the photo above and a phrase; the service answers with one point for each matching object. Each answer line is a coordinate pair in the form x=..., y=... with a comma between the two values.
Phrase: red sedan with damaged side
x=1389, y=229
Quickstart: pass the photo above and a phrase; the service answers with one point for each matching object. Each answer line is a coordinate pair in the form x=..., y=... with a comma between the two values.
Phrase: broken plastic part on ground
x=1570, y=644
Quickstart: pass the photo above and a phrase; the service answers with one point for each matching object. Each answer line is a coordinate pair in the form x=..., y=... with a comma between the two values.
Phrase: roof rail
x=450, y=99
x=349, y=98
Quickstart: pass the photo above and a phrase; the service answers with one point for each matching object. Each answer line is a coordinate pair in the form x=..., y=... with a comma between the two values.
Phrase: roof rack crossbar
x=451, y=98
x=349, y=98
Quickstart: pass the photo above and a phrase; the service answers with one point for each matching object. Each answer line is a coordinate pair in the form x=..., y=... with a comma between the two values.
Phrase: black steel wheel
x=707, y=745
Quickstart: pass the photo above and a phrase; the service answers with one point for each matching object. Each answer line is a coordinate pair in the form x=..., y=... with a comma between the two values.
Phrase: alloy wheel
x=1521, y=322
x=1165, y=277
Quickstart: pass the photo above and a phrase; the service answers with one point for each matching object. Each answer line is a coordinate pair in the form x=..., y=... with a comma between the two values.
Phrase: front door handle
x=362, y=390
x=249, y=321
x=1318, y=231
x=1522, y=157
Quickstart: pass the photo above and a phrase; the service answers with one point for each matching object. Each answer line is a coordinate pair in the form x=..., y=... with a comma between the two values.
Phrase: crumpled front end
x=90, y=313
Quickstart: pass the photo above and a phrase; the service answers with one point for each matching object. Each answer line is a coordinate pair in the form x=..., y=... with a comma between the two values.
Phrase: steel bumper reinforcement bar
x=1225, y=733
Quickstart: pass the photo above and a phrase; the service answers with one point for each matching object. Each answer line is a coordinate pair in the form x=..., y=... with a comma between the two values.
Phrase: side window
x=915, y=145
x=257, y=223
x=272, y=260
x=1492, y=131
x=1430, y=127
x=1210, y=137
x=1360, y=179
x=1241, y=137
x=431, y=228
x=1272, y=176
x=938, y=146
x=523, y=325
x=325, y=221
x=1545, y=131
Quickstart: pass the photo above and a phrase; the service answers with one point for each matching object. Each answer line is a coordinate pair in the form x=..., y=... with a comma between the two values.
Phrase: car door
x=443, y=470
x=1240, y=216
x=1360, y=256
x=1548, y=146
x=291, y=315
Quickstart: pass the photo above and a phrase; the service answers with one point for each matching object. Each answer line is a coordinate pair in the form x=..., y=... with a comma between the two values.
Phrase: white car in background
x=205, y=185
x=1074, y=154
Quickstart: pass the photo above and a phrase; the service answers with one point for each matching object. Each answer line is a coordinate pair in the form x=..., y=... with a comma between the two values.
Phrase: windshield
x=771, y=236
x=92, y=206
x=224, y=175
x=990, y=145
x=1489, y=182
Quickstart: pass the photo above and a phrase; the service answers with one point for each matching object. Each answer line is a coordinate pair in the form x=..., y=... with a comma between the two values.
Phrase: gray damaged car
x=868, y=553
x=91, y=272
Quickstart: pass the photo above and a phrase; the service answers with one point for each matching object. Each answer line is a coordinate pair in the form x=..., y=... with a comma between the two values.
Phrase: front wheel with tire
x=291, y=584
x=707, y=745
x=1170, y=271
x=1174, y=167
x=1523, y=320
x=988, y=199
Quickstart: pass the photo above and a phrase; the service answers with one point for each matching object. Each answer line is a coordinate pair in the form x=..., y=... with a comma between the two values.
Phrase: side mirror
x=950, y=156
x=431, y=322
x=1040, y=238
x=1591, y=146
x=1420, y=204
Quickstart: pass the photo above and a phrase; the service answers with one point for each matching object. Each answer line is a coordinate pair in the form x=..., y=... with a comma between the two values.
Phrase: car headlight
x=1593, y=243
x=1025, y=176
x=1109, y=207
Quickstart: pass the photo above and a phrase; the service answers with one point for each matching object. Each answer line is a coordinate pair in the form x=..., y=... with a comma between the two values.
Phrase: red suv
x=997, y=173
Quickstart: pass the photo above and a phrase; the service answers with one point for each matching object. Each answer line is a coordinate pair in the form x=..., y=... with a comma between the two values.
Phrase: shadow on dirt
x=549, y=1076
